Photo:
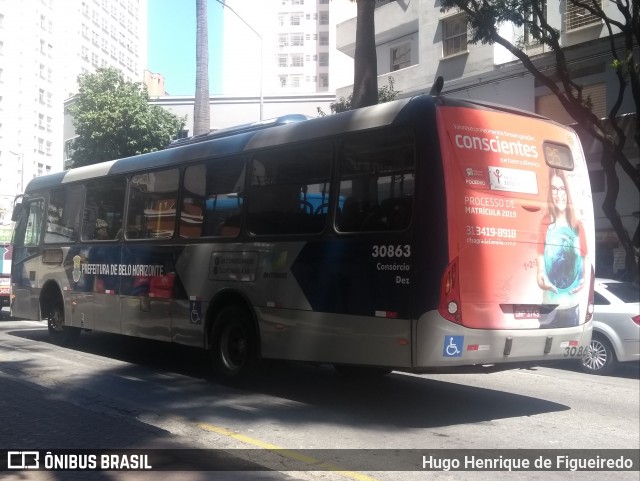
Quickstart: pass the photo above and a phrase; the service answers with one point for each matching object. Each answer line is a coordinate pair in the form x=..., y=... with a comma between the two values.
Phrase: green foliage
x=385, y=94
x=113, y=119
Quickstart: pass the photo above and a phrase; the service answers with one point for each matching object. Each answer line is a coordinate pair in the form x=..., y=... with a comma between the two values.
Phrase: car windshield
x=625, y=291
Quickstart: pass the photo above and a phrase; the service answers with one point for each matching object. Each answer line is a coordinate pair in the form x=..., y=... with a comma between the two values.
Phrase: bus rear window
x=558, y=156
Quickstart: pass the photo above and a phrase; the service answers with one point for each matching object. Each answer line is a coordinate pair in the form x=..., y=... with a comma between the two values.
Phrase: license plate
x=526, y=312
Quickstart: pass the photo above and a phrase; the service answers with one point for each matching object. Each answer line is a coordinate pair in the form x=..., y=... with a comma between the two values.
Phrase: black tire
x=59, y=333
x=233, y=343
x=600, y=357
x=362, y=372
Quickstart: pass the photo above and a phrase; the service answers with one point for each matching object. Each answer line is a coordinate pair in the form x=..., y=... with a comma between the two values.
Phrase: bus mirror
x=17, y=210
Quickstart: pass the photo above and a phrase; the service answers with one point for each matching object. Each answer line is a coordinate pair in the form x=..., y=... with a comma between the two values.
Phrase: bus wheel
x=361, y=371
x=58, y=332
x=233, y=343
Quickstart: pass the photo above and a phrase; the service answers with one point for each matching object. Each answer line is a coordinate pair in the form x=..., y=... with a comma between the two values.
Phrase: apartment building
x=284, y=46
x=44, y=46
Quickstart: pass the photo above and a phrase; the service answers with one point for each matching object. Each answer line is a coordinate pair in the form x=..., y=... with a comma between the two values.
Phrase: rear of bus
x=519, y=281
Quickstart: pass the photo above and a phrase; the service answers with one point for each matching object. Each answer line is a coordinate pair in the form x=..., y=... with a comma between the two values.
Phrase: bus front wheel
x=233, y=343
x=59, y=333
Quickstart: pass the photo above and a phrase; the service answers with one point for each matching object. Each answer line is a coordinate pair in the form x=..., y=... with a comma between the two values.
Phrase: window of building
x=323, y=80
x=283, y=60
x=324, y=18
x=297, y=39
x=295, y=18
x=400, y=56
x=323, y=38
x=297, y=60
x=323, y=59
x=283, y=81
x=595, y=94
x=454, y=35
x=530, y=29
x=41, y=121
x=295, y=81
x=283, y=40
x=577, y=17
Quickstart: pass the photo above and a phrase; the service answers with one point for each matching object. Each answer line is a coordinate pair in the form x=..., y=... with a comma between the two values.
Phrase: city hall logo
x=76, y=273
x=475, y=177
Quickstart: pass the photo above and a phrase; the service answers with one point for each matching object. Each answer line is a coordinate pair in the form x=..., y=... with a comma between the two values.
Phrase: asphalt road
x=122, y=393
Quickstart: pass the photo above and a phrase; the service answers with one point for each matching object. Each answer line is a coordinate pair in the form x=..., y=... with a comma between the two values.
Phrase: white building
x=284, y=46
x=416, y=42
x=44, y=46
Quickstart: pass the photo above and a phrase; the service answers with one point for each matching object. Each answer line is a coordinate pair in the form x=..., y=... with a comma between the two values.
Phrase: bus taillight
x=449, y=306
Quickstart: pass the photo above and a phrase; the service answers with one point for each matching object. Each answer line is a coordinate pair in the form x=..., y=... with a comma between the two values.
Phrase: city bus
x=418, y=235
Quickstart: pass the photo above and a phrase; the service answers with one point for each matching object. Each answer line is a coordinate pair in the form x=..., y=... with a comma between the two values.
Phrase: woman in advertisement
x=562, y=251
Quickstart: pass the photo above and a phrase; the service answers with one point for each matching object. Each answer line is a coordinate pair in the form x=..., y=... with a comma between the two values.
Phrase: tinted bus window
x=30, y=235
x=212, y=198
x=63, y=214
x=104, y=205
x=377, y=175
x=152, y=205
x=283, y=182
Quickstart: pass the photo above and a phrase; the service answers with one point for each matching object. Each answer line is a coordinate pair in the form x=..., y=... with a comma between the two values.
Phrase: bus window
x=152, y=205
x=104, y=204
x=29, y=227
x=63, y=214
x=212, y=198
x=377, y=182
x=282, y=181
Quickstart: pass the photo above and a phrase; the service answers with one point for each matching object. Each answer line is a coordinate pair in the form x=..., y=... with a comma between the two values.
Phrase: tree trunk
x=201, y=107
x=365, y=77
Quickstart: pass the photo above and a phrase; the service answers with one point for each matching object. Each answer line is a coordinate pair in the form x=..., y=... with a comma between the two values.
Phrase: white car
x=616, y=326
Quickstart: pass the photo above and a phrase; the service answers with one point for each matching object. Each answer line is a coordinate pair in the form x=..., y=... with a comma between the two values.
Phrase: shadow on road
x=308, y=393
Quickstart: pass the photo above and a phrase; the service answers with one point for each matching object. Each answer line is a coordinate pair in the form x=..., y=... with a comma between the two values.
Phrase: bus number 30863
x=391, y=251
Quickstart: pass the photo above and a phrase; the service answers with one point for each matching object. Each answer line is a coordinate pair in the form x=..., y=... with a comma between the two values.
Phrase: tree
x=365, y=73
x=201, y=106
x=485, y=17
x=385, y=94
x=113, y=119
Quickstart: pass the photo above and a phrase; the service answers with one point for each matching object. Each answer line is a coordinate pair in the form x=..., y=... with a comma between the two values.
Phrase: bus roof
x=283, y=130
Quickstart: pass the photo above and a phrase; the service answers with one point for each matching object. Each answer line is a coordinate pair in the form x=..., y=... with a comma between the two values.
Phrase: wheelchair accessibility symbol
x=453, y=346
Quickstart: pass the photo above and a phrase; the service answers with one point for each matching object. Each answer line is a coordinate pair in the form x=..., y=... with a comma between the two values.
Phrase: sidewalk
x=37, y=418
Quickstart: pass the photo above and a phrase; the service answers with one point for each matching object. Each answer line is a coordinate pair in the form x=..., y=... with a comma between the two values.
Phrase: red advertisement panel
x=520, y=219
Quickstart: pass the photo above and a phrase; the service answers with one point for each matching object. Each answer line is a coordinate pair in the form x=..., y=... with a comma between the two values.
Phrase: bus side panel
x=499, y=185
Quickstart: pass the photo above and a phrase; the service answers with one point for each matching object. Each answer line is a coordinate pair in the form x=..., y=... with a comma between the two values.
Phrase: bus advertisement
x=419, y=235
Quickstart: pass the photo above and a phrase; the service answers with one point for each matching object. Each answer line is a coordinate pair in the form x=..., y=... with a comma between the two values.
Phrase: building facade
x=416, y=42
x=44, y=46
x=284, y=47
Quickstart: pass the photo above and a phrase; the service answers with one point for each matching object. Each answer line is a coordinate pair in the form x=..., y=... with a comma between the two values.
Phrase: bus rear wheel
x=233, y=343
x=59, y=333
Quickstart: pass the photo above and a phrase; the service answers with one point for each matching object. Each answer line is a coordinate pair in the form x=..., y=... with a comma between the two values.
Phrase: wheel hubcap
x=596, y=356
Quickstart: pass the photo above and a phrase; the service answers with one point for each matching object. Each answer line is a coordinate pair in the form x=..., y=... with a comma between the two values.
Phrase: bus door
x=25, y=267
x=147, y=291
x=101, y=235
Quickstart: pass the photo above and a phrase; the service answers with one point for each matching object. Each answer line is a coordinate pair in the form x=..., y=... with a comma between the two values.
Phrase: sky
x=172, y=44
